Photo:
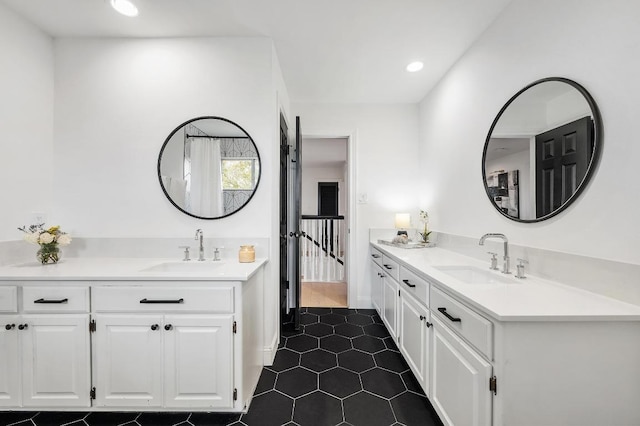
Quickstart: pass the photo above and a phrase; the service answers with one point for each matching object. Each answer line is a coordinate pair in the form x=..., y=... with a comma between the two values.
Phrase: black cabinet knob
x=10, y=326
x=168, y=327
x=154, y=327
x=23, y=326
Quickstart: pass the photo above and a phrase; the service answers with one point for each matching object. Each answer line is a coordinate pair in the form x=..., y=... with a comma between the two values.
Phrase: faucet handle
x=186, y=252
x=520, y=268
x=494, y=260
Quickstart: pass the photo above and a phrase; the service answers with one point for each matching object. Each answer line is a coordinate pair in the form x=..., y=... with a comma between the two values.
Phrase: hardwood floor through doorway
x=324, y=294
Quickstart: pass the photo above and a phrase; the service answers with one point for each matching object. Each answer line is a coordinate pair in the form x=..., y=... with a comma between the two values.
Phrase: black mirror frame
x=167, y=141
x=597, y=147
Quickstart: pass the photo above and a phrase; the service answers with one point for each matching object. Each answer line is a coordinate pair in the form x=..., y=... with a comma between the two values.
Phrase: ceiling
x=324, y=152
x=352, y=51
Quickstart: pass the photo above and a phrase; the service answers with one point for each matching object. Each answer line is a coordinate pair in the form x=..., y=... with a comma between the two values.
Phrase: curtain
x=206, y=178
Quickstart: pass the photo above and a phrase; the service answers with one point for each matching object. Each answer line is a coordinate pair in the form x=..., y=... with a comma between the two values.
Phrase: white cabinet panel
x=198, y=360
x=460, y=381
x=472, y=326
x=414, y=337
x=9, y=299
x=55, y=360
x=55, y=299
x=128, y=360
x=376, y=287
x=10, y=362
x=390, y=306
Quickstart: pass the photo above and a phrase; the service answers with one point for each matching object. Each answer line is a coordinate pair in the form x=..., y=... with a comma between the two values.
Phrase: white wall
x=26, y=123
x=520, y=161
x=589, y=41
x=311, y=176
x=384, y=141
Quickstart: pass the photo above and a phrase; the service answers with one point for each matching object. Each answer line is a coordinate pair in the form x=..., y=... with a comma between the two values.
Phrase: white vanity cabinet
x=525, y=352
x=124, y=335
x=167, y=347
x=45, y=348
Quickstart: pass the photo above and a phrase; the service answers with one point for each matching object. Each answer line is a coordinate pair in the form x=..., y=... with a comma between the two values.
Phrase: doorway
x=324, y=208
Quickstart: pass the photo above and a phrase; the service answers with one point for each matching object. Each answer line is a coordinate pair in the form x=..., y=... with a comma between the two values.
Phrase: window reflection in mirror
x=209, y=167
x=541, y=150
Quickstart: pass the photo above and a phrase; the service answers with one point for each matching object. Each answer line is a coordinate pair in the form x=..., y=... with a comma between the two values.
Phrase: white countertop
x=131, y=269
x=529, y=299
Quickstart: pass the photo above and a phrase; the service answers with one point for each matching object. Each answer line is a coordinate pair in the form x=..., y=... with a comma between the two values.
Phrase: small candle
x=247, y=254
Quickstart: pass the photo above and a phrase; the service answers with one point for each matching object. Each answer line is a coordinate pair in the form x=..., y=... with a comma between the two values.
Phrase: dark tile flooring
x=341, y=368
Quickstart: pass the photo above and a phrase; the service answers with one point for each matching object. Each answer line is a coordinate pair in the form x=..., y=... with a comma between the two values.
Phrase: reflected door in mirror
x=562, y=159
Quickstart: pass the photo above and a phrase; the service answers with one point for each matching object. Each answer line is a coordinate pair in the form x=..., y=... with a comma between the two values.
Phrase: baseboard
x=269, y=351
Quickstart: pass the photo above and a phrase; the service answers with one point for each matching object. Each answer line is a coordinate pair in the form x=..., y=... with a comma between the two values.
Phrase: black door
x=297, y=211
x=284, y=212
x=562, y=159
x=327, y=198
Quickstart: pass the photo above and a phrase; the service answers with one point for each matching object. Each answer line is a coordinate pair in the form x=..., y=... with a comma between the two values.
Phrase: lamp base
x=402, y=233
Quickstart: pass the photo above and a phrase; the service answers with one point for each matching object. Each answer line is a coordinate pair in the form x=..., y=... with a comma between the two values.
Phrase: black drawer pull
x=65, y=300
x=9, y=326
x=388, y=266
x=162, y=301
x=375, y=256
x=408, y=283
x=444, y=312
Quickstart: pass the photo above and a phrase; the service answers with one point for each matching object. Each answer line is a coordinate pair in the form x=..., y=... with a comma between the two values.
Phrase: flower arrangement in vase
x=49, y=240
x=424, y=234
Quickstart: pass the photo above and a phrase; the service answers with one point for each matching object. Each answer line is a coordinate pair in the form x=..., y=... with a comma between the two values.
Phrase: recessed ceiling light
x=415, y=66
x=125, y=7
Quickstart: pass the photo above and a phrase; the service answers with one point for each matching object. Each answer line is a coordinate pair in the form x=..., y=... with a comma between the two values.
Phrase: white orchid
x=46, y=238
x=31, y=237
x=64, y=240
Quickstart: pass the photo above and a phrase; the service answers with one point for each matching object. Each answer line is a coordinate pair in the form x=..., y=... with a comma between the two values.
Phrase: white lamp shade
x=403, y=220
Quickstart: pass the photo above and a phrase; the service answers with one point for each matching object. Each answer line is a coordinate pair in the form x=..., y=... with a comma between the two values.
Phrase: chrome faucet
x=200, y=236
x=505, y=265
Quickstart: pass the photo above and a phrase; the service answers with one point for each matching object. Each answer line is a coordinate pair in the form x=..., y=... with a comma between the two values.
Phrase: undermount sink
x=474, y=275
x=188, y=267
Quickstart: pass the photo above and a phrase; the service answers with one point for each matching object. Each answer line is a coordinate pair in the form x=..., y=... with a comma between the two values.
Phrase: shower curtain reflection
x=204, y=187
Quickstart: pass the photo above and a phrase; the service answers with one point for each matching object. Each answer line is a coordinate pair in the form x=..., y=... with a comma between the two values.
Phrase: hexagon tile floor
x=341, y=368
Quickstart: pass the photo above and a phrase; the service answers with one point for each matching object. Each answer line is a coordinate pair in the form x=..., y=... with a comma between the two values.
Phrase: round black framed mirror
x=542, y=149
x=209, y=167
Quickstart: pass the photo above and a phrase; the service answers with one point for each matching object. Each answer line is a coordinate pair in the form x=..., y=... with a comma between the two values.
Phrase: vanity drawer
x=415, y=285
x=473, y=327
x=376, y=256
x=9, y=299
x=55, y=299
x=162, y=299
x=391, y=267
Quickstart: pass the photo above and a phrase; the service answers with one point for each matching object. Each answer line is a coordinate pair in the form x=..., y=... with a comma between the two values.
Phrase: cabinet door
x=198, y=360
x=376, y=287
x=55, y=360
x=128, y=360
x=390, y=304
x=10, y=364
x=460, y=381
x=414, y=337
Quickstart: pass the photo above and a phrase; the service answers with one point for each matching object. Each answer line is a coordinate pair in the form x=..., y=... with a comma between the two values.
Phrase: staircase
x=322, y=247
